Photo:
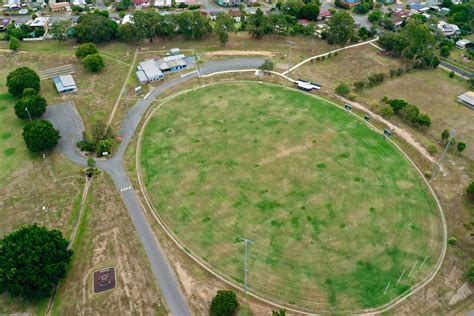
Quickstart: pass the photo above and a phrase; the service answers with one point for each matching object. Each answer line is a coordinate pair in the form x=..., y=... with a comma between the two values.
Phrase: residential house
x=40, y=22
x=251, y=2
x=386, y=2
x=148, y=71
x=349, y=3
x=60, y=6
x=141, y=3
x=163, y=3
x=65, y=84
x=462, y=43
x=418, y=8
x=467, y=99
x=4, y=23
x=403, y=14
x=213, y=14
x=303, y=22
x=448, y=29
x=228, y=3
x=235, y=13
x=324, y=14
x=79, y=3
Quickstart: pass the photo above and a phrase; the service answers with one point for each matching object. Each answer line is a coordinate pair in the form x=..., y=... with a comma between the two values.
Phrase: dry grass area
x=106, y=238
x=347, y=67
x=435, y=94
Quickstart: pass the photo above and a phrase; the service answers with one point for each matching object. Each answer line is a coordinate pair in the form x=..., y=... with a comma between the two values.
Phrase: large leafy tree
x=85, y=50
x=421, y=41
x=95, y=28
x=341, y=28
x=30, y=105
x=224, y=24
x=257, y=23
x=32, y=261
x=224, y=303
x=193, y=25
x=60, y=30
x=146, y=25
x=94, y=62
x=40, y=135
x=22, y=78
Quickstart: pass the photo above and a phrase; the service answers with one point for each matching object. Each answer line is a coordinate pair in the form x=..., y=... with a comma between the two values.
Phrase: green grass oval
x=331, y=206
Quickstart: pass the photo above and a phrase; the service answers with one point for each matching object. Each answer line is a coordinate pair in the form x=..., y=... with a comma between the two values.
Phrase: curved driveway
x=66, y=118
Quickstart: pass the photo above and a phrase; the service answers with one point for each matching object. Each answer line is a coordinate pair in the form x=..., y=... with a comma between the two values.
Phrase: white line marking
x=401, y=277
x=409, y=274
x=386, y=287
x=186, y=74
x=423, y=263
x=126, y=188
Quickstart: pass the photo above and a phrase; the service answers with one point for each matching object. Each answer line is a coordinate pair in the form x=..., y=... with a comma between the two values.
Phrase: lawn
x=335, y=210
x=435, y=94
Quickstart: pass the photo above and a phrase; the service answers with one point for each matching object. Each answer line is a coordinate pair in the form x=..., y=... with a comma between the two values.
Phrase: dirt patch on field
x=241, y=53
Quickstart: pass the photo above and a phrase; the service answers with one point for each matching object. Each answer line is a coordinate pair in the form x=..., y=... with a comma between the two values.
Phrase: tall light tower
x=246, y=242
x=290, y=43
x=437, y=166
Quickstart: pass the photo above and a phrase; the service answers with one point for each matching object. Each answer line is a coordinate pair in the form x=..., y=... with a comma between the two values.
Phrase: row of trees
x=39, y=135
x=409, y=112
x=90, y=57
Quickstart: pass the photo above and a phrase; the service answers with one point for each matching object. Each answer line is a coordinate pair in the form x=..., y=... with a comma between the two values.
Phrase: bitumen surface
x=67, y=120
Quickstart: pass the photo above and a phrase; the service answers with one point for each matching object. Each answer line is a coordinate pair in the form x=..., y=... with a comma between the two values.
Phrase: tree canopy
x=14, y=44
x=22, y=78
x=193, y=25
x=224, y=303
x=85, y=50
x=35, y=104
x=341, y=28
x=40, y=135
x=33, y=260
x=257, y=23
x=60, y=30
x=95, y=28
x=94, y=62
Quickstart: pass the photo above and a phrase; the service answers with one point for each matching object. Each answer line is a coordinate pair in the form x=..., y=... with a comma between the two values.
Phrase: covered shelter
x=65, y=84
x=467, y=99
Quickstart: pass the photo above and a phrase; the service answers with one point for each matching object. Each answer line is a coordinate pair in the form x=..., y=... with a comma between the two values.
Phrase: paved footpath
x=66, y=118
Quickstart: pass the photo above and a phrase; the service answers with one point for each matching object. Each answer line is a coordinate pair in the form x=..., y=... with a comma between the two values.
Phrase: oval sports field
x=340, y=219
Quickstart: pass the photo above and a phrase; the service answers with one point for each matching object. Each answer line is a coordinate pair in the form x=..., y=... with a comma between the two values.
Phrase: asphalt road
x=457, y=70
x=66, y=118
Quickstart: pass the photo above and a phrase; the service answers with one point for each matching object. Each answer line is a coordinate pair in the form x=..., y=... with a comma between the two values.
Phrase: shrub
x=444, y=51
x=460, y=147
x=30, y=105
x=432, y=149
x=470, y=189
x=470, y=272
x=387, y=112
x=428, y=174
x=342, y=90
x=94, y=62
x=40, y=135
x=85, y=50
x=14, y=43
x=224, y=303
x=90, y=162
x=359, y=85
x=397, y=105
x=452, y=241
x=104, y=146
x=451, y=74
x=22, y=78
x=85, y=145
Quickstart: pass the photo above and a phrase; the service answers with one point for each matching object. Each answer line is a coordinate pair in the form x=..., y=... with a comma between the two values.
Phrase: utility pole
x=26, y=109
x=246, y=242
x=437, y=165
x=291, y=43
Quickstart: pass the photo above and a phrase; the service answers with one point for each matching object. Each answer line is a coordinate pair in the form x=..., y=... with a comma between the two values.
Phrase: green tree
x=460, y=147
x=342, y=90
x=224, y=303
x=423, y=120
x=14, y=43
x=419, y=38
x=267, y=65
x=444, y=51
x=224, y=24
x=471, y=82
x=60, y=30
x=33, y=260
x=257, y=23
x=470, y=190
x=146, y=24
x=309, y=11
x=94, y=62
x=95, y=28
x=193, y=25
x=85, y=50
x=40, y=135
x=397, y=105
x=35, y=104
x=445, y=135
x=22, y=78
x=375, y=16
x=341, y=28
x=280, y=312
x=126, y=33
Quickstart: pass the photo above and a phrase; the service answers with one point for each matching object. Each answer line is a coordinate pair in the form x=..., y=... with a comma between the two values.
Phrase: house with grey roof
x=148, y=71
x=65, y=84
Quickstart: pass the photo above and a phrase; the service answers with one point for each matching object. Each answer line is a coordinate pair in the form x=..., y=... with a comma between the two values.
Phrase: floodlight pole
x=291, y=43
x=437, y=165
x=246, y=242
x=26, y=109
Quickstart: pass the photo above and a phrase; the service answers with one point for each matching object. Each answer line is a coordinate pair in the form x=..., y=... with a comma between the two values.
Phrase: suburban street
x=67, y=119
